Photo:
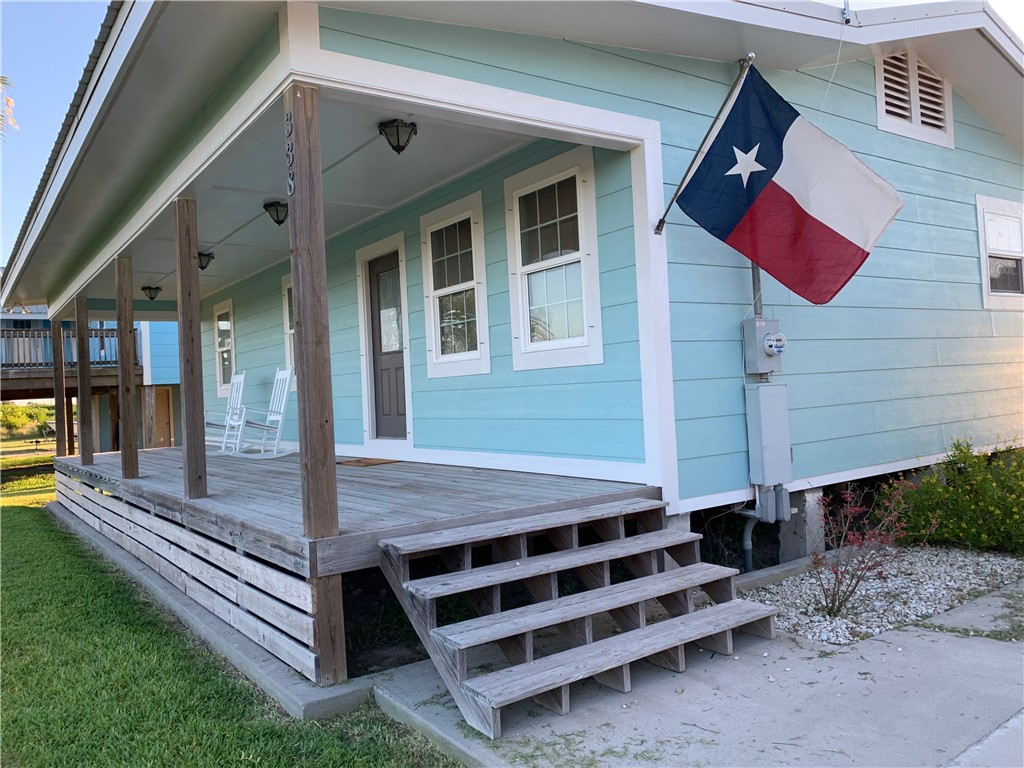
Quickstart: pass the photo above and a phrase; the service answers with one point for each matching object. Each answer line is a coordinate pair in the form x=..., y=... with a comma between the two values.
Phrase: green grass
x=93, y=674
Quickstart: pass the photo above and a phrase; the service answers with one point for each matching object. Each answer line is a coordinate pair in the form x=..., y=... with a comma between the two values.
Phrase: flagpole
x=744, y=63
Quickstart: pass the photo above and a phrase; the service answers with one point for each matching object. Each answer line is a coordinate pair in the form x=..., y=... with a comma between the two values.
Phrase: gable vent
x=913, y=100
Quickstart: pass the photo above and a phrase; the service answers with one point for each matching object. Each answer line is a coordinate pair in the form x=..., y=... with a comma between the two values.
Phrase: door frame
x=390, y=446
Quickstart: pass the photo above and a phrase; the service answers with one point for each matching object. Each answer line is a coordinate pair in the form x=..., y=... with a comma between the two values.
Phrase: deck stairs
x=617, y=553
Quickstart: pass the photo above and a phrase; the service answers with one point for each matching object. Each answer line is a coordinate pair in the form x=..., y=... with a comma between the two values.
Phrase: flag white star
x=746, y=164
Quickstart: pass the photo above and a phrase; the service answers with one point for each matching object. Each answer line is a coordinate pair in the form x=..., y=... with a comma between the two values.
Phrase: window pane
x=556, y=303
x=224, y=330
x=574, y=280
x=549, y=227
x=531, y=247
x=225, y=366
x=389, y=300
x=547, y=204
x=1005, y=275
x=457, y=322
x=567, y=196
x=528, y=210
x=451, y=250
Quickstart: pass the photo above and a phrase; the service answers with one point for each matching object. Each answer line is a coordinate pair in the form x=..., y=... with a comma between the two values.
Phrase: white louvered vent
x=913, y=100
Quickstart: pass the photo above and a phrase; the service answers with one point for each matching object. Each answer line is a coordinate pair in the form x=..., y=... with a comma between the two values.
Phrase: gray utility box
x=756, y=356
x=771, y=459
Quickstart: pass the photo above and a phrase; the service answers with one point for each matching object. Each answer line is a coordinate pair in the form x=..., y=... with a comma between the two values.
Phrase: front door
x=386, y=341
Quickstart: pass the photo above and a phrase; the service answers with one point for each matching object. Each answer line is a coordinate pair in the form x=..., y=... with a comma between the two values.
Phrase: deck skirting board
x=269, y=606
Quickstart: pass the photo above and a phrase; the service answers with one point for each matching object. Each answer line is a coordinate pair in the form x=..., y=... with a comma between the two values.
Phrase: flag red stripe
x=808, y=257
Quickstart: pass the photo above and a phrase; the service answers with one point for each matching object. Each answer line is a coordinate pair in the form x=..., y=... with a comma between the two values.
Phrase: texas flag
x=794, y=201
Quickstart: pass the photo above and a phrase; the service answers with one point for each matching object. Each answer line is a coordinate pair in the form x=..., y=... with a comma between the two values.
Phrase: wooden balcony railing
x=34, y=348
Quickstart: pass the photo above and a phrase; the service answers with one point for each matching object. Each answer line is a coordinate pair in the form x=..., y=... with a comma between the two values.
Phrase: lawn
x=95, y=674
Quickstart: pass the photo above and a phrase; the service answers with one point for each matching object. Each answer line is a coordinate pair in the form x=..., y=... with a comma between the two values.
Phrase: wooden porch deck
x=256, y=503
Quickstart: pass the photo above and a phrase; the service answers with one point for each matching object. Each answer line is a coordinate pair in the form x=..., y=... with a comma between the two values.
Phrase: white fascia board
x=125, y=34
x=264, y=90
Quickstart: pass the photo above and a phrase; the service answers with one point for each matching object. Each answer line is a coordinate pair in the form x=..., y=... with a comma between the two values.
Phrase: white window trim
x=384, y=447
x=466, y=363
x=913, y=128
x=992, y=300
x=588, y=350
x=289, y=335
x=223, y=388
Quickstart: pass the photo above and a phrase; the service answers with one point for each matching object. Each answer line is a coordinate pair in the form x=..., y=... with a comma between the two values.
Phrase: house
x=27, y=362
x=486, y=331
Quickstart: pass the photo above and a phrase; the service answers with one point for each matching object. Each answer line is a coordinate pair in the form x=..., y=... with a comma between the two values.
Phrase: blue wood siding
x=901, y=362
x=591, y=412
x=163, y=353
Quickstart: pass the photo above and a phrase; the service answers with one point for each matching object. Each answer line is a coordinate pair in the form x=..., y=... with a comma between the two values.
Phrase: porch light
x=204, y=259
x=151, y=291
x=278, y=211
x=398, y=134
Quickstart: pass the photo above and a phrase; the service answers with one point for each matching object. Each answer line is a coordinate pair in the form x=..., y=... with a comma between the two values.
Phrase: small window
x=224, y=346
x=456, y=293
x=553, y=290
x=913, y=100
x=1001, y=237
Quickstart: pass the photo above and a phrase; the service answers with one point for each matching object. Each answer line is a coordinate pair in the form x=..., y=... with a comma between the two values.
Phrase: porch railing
x=33, y=348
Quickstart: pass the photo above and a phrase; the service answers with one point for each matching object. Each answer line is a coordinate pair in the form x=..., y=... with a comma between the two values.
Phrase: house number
x=289, y=152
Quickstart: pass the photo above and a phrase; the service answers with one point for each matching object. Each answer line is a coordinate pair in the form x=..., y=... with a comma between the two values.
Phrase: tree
x=6, y=108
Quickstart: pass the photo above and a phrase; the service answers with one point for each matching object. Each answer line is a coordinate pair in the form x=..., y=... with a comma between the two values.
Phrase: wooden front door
x=386, y=341
x=163, y=433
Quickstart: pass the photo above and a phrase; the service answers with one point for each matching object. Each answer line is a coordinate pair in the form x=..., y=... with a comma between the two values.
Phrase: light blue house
x=495, y=296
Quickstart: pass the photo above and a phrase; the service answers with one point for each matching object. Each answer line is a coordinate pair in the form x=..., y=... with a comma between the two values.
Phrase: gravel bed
x=923, y=582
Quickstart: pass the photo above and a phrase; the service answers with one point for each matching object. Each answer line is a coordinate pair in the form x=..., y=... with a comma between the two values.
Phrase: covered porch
x=241, y=551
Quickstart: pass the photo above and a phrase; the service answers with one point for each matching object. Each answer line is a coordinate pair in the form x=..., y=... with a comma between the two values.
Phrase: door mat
x=366, y=462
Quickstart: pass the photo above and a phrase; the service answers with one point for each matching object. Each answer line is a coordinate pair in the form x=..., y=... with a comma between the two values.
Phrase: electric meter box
x=763, y=346
x=771, y=458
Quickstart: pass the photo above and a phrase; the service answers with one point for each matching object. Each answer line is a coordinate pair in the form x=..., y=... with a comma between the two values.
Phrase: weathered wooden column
x=59, y=413
x=190, y=352
x=313, y=362
x=128, y=442
x=69, y=420
x=85, y=442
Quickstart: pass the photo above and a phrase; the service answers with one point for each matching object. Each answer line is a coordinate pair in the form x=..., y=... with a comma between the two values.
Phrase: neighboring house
x=495, y=296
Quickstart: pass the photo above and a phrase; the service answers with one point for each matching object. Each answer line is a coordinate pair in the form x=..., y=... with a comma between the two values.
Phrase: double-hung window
x=455, y=296
x=554, y=281
x=1001, y=237
x=224, y=346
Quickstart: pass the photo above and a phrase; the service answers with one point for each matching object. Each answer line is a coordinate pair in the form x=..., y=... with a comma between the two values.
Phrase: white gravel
x=923, y=582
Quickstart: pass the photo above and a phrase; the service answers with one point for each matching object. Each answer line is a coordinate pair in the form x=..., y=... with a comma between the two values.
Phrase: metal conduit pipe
x=748, y=541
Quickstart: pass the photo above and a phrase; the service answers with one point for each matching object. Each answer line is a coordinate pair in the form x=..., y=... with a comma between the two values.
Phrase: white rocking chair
x=226, y=432
x=262, y=427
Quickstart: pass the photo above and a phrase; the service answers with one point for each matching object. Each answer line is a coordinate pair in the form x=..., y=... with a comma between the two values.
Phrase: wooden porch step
x=426, y=542
x=518, y=682
x=487, y=629
x=454, y=583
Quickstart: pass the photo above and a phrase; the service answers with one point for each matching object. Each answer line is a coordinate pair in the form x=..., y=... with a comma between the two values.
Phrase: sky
x=43, y=50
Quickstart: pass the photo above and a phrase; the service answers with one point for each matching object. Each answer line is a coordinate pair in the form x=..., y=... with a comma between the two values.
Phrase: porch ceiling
x=362, y=178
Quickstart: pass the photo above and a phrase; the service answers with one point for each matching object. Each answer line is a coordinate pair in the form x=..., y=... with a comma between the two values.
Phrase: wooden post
x=313, y=361
x=128, y=440
x=59, y=394
x=69, y=422
x=190, y=352
x=85, y=442
x=114, y=417
x=148, y=416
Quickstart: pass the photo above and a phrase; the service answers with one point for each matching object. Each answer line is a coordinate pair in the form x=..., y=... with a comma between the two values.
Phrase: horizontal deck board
x=521, y=681
x=529, y=618
x=457, y=582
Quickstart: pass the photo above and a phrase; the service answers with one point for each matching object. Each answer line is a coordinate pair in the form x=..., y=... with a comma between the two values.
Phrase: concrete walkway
x=930, y=695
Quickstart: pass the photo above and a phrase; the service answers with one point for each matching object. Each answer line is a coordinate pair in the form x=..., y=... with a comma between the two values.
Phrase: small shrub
x=969, y=500
x=858, y=543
